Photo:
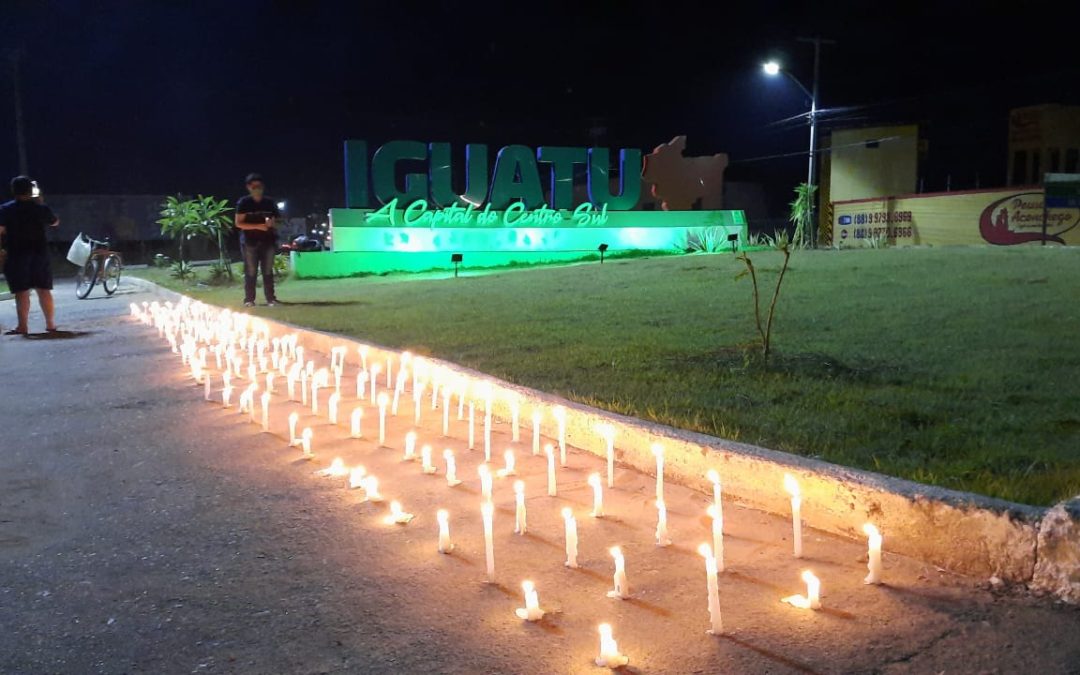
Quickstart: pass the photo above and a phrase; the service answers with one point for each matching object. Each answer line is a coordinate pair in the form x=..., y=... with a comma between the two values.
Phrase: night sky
x=172, y=96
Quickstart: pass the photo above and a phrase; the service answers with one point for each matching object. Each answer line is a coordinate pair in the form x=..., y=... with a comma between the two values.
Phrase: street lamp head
x=771, y=68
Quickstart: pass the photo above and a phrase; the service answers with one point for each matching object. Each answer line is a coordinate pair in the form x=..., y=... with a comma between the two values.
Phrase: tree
x=182, y=219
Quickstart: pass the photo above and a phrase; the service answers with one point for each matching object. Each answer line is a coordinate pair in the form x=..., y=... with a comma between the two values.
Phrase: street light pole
x=817, y=42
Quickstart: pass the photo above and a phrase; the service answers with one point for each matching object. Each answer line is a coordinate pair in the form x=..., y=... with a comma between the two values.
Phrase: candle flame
x=657, y=449
x=528, y=586
x=705, y=550
x=711, y=512
x=383, y=399
x=443, y=516
x=594, y=479
x=567, y=513
x=791, y=485
x=871, y=530
x=519, y=487
x=809, y=577
x=714, y=476
x=615, y=552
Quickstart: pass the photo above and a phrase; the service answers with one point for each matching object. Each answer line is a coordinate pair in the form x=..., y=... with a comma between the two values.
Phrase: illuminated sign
x=410, y=172
x=421, y=214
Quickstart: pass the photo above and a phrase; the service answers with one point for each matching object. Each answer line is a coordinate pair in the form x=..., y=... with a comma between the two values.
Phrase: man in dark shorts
x=256, y=217
x=22, y=228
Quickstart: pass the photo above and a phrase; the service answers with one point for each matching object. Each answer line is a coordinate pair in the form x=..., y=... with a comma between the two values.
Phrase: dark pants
x=259, y=254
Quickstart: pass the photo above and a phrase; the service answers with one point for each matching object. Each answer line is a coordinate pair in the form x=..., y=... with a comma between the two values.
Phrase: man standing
x=22, y=227
x=256, y=217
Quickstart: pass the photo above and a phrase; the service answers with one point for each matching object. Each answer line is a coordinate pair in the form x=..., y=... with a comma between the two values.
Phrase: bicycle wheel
x=110, y=274
x=86, y=278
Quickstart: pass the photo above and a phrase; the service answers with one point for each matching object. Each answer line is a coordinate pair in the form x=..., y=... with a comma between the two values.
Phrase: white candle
x=487, y=509
x=487, y=435
x=485, y=481
x=571, y=537
x=294, y=417
x=608, y=432
x=435, y=394
x=515, y=427
x=337, y=381
x=717, y=535
x=509, y=469
x=519, y=514
x=266, y=411
x=716, y=625
x=357, y=415
x=598, y=496
x=446, y=413
x=662, y=538
x=717, y=493
x=356, y=477
x=461, y=402
x=252, y=388
x=445, y=546
x=374, y=381
x=536, y=432
x=361, y=384
x=560, y=417
x=226, y=396
x=253, y=372
x=389, y=372
x=451, y=468
x=363, y=350
x=472, y=425
x=792, y=486
x=410, y=447
x=397, y=515
x=371, y=489
x=383, y=400
x=873, y=563
x=658, y=450
x=337, y=469
x=206, y=387
x=551, y=469
x=418, y=396
x=622, y=589
x=425, y=458
x=294, y=373
x=531, y=611
x=609, y=650
x=270, y=381
x=812, y=599
x=394, y=405
x=303, y=387
x=305, y=441
x=332, y=404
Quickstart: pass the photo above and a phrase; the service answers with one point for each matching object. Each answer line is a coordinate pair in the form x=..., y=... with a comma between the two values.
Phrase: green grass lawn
x=958, y=367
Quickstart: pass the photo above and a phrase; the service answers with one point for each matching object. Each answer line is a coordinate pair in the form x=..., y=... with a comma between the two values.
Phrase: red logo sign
x=1018, y=219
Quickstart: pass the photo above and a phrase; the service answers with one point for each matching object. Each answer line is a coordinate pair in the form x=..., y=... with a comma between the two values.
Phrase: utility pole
x=20, y=134
x=817, y=41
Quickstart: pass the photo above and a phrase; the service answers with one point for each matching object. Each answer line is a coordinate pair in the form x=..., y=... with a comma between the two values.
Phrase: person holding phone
x=256, y=218
x=23, y=224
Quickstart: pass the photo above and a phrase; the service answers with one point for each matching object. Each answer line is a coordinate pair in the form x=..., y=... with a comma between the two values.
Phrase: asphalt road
x=144, y=530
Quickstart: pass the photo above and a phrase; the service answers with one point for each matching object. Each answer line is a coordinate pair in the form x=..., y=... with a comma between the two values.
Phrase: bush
x=161, y=260
x=181, y=270
x=281, y=267
x=220, y=274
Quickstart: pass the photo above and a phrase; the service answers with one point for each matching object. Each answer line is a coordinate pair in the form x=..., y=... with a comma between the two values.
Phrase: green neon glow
x=421, y=214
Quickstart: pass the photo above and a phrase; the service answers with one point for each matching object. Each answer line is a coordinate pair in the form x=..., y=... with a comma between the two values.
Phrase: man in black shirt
x=26, y=266
x=256, y=216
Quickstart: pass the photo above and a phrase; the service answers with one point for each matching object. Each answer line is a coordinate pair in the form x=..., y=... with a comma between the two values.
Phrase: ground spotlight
x=456, y=258
x=734, y=239
x=603, y=249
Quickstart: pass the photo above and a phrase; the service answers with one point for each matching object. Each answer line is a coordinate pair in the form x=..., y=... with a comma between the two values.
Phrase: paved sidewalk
x=144, y=530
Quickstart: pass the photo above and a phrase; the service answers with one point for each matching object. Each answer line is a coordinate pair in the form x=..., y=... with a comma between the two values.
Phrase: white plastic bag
x=79, y=252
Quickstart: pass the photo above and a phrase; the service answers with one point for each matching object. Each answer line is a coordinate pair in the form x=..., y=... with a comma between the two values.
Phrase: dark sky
x=162, y=96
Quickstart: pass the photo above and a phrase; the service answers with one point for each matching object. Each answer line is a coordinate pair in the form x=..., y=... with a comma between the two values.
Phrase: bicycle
x=103, y=263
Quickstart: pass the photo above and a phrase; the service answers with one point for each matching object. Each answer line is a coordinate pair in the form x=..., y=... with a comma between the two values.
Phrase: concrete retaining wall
x=961, y=532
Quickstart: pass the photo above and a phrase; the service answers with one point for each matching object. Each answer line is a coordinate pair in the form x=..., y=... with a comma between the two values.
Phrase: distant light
x=281, y=205
x=771, y=68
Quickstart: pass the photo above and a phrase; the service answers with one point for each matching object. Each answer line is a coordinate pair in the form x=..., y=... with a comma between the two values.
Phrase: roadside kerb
x=961, y=532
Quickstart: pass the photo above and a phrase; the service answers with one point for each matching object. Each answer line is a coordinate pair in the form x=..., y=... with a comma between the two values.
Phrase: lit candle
x=608, y=432
x=472, y=425
x=337, y=469
x=294, y=374
x=560, y=417
x=461, y=401
x=253, y=372
x=812, y=600
x=609, y=650
x=551, y=469
x=371, y=489
x=658, y=450
x=661, y=525
x=451, y=468
x=485, y=481
x=445, y=546
x=519, y=515
x=717, y=535
x=270, y=382
x=363, y=350
x=305, y=440
x=226, y=396
x=716, y=626
x=337, y=380
x=294, y=417
x=425, y=458
x=318, y=380
x=621, y=590
x=361, y=384
x=717, y=492
x=873, y=563
x=266, y=411
x=487, y=435
x=509, y=469
x=303, y=386
x=357, y=415
x=598, y=496
x=332, y=404
x=206, y=387
x=383, y=400
x=792, y=486
x=531, y=611
x=571, y=537
x=446, y=412
x=410, y=447
x=397, y=515
x=418, y=395
x=487, y=509
x=251, y=389
x=435, y=394
x=374, y=381
x=356, y=477
x=515, y=413
x=397, y=396
x=536, y=431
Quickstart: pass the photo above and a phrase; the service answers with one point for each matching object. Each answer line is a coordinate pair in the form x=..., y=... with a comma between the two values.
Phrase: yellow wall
x=1003, y=217
x=859, y=171
x=1043, y=139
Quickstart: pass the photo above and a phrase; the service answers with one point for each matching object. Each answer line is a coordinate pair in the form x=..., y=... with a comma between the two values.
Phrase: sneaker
x=272, y=303
x=248, y=303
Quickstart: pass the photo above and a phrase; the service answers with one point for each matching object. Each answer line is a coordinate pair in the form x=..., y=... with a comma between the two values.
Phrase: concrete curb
x=972, y=534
